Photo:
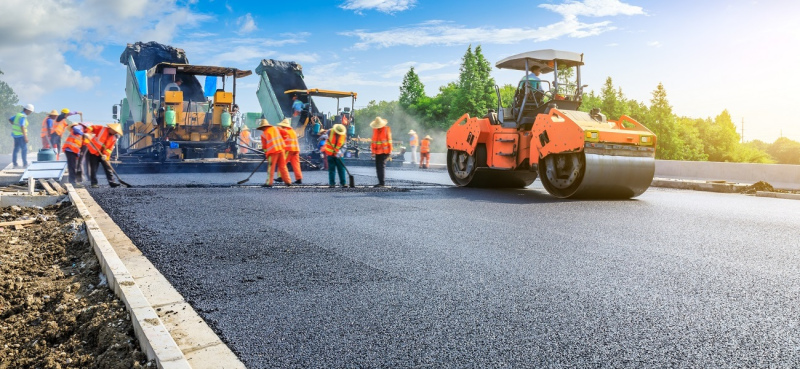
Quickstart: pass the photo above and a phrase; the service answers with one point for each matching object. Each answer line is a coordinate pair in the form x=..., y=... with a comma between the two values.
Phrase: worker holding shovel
x=332, y=149
x=381, y=147
x=273, y=146
x=102, y=143
x=72, y=149
x=292, y=148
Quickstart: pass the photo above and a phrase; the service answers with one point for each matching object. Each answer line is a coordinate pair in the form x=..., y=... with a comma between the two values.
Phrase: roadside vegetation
x=679, y=138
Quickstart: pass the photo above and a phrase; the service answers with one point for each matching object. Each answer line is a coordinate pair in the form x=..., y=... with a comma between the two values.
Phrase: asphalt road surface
x=428, y=275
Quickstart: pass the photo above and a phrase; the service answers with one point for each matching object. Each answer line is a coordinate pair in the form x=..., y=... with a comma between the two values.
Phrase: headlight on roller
x=592, y=136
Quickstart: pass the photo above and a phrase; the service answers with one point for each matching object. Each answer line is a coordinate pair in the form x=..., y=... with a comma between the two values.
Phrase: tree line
x=679, y=137
x=9, y=106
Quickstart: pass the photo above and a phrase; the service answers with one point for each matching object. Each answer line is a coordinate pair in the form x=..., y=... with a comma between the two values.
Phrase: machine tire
x=573, y=167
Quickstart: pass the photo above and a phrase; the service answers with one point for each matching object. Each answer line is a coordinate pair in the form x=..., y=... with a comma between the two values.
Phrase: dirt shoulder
x=56, y=310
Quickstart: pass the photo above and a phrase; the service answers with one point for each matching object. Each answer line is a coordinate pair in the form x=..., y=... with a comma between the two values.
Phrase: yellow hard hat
x=65, y=111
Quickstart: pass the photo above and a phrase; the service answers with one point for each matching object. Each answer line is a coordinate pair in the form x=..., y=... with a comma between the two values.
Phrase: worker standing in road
x=72, y=150
x=381, y=147
x=19, y=131
x=47, y=128
x=244, y=140
x=425, y=152
x=59, y=126
x=292, y=148
x=332, y=149
x=101, y=144
x=413, y=142
x=272, y=144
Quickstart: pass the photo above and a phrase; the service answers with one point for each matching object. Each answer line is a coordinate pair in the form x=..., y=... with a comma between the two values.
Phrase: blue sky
x=739, y=55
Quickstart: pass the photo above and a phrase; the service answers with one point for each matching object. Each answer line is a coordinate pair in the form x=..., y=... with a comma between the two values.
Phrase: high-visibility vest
x=414, y=140
x=74, y=141
x=426, y=146
x=58, y=127
x=244, y=139
x=289, y=139
x=333, y=144
x=16, y=129
x=46, y=130
x=381, y=140
x=271, y=141
x=103, y=141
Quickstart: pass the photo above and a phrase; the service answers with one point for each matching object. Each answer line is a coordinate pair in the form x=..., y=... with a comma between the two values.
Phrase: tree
x=785, y=151
x=689, y=135
x=507, y=95
x=721, y=138
x=487, y=98
x=662, y=122
x=475, y=86
x=8, y=99
x=412, y=89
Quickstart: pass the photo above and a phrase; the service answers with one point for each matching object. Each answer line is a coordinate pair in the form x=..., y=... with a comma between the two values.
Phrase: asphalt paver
x=434, y=276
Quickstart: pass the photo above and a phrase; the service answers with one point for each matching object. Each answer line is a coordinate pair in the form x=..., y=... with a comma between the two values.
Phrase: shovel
x=126, y=184
x=350, y=179
x=254, y=172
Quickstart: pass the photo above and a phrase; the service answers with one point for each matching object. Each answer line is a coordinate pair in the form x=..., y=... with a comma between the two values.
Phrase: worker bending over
x=72, y=150
x=272, y=143
x=100, y=146
x=47, y=128
x=59, y=126
x=381, y=147
x=425, y=152
x=292, y=148
x=332, y=149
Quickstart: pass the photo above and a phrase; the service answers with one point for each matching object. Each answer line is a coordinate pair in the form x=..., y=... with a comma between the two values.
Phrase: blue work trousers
x=20, y=146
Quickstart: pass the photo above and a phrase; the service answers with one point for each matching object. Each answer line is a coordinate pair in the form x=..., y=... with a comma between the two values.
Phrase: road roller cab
x=575, y=153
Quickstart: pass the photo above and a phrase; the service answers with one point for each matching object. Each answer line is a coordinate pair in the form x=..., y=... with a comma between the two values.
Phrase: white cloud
x=385, y=6
x=246, y=24
x=242, y=52
x=654, y=44
x=447, y=33
x=441, y=33
x=594, y=8
x=35, y=42
x=399, y=70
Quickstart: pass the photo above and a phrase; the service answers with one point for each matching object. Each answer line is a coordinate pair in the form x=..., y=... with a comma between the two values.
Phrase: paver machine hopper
x=542, y=134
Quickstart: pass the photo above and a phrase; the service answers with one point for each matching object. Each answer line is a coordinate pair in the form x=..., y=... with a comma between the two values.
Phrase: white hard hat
x=29, y=107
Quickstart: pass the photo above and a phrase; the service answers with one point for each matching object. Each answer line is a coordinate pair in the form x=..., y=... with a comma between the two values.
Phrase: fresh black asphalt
x=444, y=277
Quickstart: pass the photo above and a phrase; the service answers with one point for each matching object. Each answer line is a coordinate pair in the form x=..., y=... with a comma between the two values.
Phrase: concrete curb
x=197, y=343
x=778, y=195
x=153, y=336
x=711, y=186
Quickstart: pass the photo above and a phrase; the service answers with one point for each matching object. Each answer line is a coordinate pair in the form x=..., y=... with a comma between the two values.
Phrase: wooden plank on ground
x=56, y=186
x=17, y=222
x=50, y=191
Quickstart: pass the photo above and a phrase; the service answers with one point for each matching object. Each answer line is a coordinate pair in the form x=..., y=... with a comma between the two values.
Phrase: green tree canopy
x=412, y=89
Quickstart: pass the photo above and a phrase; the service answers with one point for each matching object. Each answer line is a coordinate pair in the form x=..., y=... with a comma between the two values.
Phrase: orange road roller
x=576, y=154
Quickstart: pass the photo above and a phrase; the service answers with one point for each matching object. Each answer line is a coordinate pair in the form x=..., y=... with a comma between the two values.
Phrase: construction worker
x=381, y=147
x=332, y=149
x=59, y=126
x=272, y=144
x=244, y=140
x=413, y=142
x=100, y=146
x=292, y=148
x=19, y=131
x=297, y=106
x=425, y=152
x=72, y=150
x=47, y=128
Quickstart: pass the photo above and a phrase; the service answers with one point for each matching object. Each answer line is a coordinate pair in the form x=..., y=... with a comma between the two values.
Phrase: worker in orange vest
x=381, y=147
x=273, y=146
x=413, y=141
x=101, y=144
x=292, y=148
x=332, y=149
x=425, y=152
x=59, y=126
x=47, y=128
x=244, y=140
x=72, y=150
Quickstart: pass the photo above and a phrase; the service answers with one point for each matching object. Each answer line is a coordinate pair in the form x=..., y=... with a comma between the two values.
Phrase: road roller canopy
x=200, y=70
x=542, y=58
x=323, y=93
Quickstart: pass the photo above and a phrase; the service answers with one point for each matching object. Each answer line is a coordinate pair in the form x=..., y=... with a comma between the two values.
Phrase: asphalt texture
x=427, y=275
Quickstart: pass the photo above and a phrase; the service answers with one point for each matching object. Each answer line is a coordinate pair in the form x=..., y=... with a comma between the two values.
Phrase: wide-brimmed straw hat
x=427, y=137
x=378, y=123
x=286, y=123
x=53, y=112
x=116, y=127
x=264, y=124
x=411, y=132
x=339, y=129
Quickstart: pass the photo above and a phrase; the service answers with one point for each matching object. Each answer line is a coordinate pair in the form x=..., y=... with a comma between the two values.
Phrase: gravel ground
x=453, y=277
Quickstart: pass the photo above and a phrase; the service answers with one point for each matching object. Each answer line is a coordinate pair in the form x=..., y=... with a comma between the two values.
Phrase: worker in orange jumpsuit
x=425, y=152
x=47, y=128
x=102, y=142
x=381, y=147
x=72, y=150
x=292, y=148
x=272, y=144
x=244, y=140
x=59, y=125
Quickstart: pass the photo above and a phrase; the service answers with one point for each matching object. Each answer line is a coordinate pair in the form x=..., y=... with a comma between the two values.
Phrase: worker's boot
x=113, y=184
x=299, y=181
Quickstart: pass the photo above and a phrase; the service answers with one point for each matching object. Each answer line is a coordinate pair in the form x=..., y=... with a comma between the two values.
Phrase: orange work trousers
x=424, y=160
x=279, y=160
x=293, y=158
